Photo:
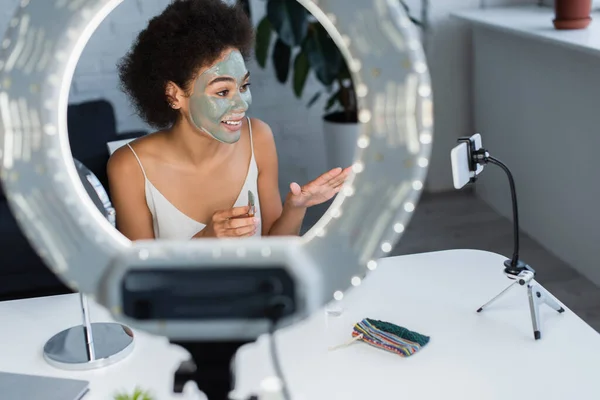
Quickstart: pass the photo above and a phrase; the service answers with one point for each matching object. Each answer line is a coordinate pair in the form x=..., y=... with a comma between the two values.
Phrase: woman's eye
x=223, y=93
x=245, y=87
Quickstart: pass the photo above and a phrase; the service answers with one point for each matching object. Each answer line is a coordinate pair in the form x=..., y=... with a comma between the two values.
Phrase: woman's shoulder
x=261, y=131
x=265, y=150
x=127, y=158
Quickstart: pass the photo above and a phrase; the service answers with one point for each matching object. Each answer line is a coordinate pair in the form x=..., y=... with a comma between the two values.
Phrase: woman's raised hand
x=320, y=190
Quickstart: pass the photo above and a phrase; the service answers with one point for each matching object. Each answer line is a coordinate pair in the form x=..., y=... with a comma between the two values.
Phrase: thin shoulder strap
x=250, y=130
x=138, y=160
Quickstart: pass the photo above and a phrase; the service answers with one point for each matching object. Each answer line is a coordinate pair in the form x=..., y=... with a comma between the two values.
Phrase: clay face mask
x=221, y=115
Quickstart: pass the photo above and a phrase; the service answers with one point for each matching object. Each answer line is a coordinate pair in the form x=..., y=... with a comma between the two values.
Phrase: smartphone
x=463, y=169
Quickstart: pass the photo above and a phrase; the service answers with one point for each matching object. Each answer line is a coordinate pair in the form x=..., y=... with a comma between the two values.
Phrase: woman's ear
x=173, y=93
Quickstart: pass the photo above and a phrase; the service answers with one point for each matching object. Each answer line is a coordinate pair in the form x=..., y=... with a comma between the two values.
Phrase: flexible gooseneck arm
x=513, y=193
x=482, y=156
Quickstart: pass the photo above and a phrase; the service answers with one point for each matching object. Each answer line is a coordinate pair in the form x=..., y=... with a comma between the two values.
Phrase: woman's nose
x=238, y=102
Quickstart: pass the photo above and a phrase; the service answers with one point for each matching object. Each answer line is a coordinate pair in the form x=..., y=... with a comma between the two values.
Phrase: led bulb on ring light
x=144, y=254
x=339, y=295
x=424, y=90
x=417, y=185
x=361, y=90
x=364, y=116
x=49, y=129
x=425, y=137
x=356, y=281
x=363, y=142
x=355, y=65
x=420, y=67
x=398, y=228
x=409, y=207
x=372, y=265
x=358, y=167
x=386, y=247
x=423, y=162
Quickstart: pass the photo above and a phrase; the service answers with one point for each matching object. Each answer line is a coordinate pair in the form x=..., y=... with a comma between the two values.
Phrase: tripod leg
x=545, y=297
x=538, y=295
x=534, y=309
x=496, y=298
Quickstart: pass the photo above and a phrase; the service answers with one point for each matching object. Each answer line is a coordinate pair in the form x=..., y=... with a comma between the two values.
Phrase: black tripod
x=209, y=367
x=515, y=268
x=210, y=364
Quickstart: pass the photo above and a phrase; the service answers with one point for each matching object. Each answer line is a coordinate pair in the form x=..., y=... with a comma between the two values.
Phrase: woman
x=193, y=178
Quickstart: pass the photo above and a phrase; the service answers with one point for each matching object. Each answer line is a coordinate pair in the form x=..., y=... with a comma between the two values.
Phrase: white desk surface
x=26, y=325
x=471, y=356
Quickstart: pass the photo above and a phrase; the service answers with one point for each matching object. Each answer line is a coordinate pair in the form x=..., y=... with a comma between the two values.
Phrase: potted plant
x=302, y=45
x=572, y=14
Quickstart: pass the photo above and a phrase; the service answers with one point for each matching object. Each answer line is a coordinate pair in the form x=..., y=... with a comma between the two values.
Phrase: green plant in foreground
x=138, y=394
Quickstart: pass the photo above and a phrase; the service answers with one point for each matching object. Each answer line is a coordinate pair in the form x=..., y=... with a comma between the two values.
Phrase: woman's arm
x=277, y=219
x=289, y=222
x=128, y=195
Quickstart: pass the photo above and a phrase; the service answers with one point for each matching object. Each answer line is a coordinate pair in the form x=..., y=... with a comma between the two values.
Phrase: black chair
x=92, y=125
x=22, y=273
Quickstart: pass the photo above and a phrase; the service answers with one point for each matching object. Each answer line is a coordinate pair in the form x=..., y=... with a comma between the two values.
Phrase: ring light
x=382, y=48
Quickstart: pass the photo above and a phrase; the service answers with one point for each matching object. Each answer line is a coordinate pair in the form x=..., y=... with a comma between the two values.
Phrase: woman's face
x=220, y=98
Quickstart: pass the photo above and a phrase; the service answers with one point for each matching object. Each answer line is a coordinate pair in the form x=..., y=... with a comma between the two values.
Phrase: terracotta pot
x=572, y=14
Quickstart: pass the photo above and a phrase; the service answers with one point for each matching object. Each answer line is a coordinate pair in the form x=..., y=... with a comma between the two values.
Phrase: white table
x=26, y=325
x=471, y=356
x=491, y=355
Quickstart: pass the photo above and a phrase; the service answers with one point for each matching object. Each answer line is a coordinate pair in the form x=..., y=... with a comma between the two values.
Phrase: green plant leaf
x=334, y=98
x=323, y=54
x=289, y=19
x=344, y=72
x=407, y=10
x=138, y=394
x=263, y=41
x=415, y=21
x=301, y=69
x=281, y=60
x=313, y=99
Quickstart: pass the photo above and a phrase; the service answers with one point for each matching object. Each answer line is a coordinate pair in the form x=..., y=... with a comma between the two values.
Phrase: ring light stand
x=90, y=345
x=515, y=268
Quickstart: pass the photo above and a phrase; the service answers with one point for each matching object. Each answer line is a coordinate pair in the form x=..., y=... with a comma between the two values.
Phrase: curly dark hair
x=186, y=36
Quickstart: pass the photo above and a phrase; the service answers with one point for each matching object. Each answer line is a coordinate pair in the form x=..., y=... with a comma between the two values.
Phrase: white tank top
x=170, y=223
